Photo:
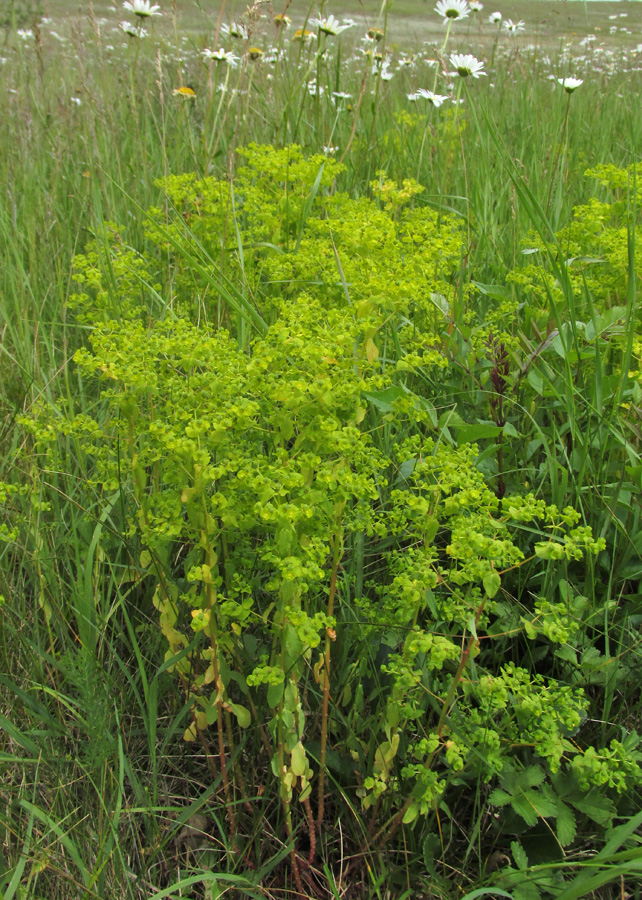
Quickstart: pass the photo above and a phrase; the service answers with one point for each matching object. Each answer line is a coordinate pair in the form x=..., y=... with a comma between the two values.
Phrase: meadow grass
x=538, y=364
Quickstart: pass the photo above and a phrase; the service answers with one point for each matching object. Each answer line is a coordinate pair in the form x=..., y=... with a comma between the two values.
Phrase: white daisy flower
x=435, y=99
x=514, y=28
x=142, y=8
x=466, y=64
x=495, y=18
x=24, y=33
x=330, y=150
x=234, y=30
x=132, y=30
x=76, y=100
x=452, y=9
x=475, y=6
x=331, y=25
x=570, y=84
x=413, y=97
x=225, y=56
x=341, y=95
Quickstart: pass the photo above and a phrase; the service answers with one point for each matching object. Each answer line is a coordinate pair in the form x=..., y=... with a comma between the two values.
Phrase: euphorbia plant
x=295, y=503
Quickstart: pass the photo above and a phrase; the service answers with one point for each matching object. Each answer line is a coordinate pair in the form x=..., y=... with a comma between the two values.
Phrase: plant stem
x=338, y=546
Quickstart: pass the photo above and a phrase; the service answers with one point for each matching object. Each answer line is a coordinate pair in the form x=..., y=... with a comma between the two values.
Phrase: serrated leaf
x=499, y=798
x=432, y=845
x=524, y=808
x=542, y=805
x=600, y=809
x=519, y=855
x=531, y=777
x=566, y=826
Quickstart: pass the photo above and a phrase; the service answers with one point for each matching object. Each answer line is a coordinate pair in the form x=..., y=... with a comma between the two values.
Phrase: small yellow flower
x=302, y=34
x=184, y=91
x=375, y=34
x=282, y=21
x=254, y=52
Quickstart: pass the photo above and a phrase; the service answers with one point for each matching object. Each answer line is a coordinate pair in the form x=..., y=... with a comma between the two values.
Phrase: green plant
x=292, y=509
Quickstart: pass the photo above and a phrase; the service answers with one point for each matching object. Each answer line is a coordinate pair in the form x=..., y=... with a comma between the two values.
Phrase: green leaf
x=498, y=291
x=383, y=400
x=410, y=814
x=275, y=694
x=469, y=434
x=432, y=846
x=566, y=826
x=600, y=809
x=531, y=776
x=525, y=809
x=499, y=798
x=242, y=713
x=492, y=583
x=519, y=855
x=298, y=760
x=486, y=892
x=543, y=805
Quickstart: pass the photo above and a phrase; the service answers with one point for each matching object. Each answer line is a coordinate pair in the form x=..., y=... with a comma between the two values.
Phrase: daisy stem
x=208, y=149
x=443, y=46
x=563, y=135
x=434, y=90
